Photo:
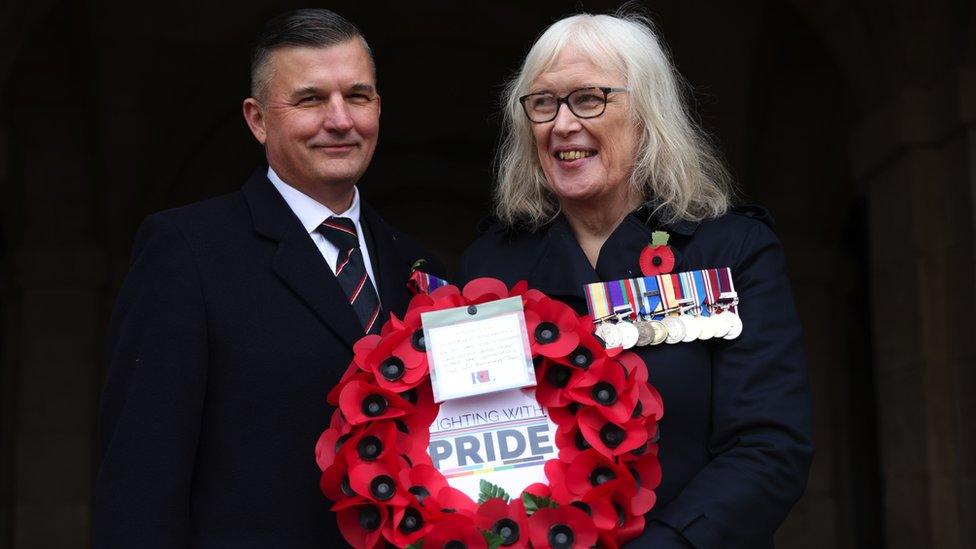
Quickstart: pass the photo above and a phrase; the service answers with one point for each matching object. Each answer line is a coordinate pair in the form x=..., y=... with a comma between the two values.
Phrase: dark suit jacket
x=735, y=442
x=227, y=334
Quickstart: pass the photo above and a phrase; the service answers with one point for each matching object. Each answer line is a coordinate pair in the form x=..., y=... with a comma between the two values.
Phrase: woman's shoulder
x=735, y=239
x=500, y=248
x=739, y=222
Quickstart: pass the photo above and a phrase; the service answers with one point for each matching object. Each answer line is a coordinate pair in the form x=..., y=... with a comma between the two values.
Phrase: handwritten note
x=479, y=356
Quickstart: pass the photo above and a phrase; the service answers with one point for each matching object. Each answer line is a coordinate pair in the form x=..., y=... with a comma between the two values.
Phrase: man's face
x=320, y=115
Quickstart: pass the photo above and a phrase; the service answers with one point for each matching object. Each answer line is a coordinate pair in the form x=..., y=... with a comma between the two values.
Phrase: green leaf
x=416, y=545
x=494, y=540
x=534, y=503
x=659, y=238
x=489, y=491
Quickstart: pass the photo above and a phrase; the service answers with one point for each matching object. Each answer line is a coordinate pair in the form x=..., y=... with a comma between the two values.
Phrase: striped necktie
x=351, y=271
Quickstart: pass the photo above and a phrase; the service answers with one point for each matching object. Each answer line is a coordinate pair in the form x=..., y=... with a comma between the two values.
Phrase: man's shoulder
x=208, y=219
x=218, y=210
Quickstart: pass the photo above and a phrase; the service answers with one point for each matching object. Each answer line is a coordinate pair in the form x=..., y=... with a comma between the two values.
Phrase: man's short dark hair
x=316, y=28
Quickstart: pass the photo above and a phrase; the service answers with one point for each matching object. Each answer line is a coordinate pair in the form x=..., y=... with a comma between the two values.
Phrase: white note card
x=477, y=350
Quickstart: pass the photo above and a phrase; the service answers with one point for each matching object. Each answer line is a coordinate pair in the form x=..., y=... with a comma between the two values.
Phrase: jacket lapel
x=298, y=262
x=390, y=268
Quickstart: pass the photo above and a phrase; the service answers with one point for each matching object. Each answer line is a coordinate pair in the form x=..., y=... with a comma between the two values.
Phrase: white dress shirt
x=312, y=213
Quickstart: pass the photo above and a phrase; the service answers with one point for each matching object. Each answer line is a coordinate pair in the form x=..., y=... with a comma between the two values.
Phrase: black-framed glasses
x=584, y=103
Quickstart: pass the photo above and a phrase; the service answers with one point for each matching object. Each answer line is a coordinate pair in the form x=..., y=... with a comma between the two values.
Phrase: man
x=240, y=313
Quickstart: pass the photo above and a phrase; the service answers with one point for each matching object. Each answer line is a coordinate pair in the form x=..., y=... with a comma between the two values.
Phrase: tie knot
x=340, y=231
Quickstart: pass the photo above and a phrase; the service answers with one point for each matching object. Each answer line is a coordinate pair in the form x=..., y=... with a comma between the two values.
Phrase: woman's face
x=592, y=158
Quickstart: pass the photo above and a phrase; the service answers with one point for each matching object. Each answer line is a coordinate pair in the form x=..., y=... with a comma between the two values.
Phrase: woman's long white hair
x=675, y=165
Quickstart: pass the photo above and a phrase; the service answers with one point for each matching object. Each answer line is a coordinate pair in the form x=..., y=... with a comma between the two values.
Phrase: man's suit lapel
x=298, y=261
x=391, y=270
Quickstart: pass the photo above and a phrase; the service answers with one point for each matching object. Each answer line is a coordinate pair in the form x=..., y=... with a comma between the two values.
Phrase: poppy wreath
x=377, y=470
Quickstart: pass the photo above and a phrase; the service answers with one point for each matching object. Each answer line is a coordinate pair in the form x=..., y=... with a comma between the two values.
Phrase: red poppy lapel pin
x=657, y=257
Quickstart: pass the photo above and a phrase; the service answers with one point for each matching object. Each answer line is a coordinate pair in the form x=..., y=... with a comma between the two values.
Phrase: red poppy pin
x=657, y=257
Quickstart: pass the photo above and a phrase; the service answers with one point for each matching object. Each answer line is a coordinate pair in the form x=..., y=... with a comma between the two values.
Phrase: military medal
x=692, y=328
x=721, y=323
x=676, y=329
x=629, y=334
x=660, y=332
x=647, y=293
x=707, y=326
x=645, y=333
x=609, y=334
x=735, y=326
x=729, y=299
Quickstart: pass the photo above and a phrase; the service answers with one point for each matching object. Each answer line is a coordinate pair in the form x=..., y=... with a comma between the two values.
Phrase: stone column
x=916, y=156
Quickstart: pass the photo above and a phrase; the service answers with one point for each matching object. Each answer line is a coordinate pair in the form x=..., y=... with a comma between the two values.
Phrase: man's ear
x=255, y=119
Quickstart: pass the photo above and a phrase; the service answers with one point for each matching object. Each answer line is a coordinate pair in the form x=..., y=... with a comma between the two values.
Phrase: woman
x=599, y=152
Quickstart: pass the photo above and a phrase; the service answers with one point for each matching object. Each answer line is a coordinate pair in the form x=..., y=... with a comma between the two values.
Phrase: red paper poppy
x=650, y=405
x=647, y=477
x=505, y=519
x=361, y=402
x=334, y=481
x=325, y=448
x=607, y=389
x=570, y=440
x=377, y=480
x=552, y=379
x=447, y=297
x=591, y=469
x=354, y=373
x=633, y=365
x=422, y=399
x=377, y=441
x=395, y=363
x=608, y=437
x=589, y=348
x=538, y=489
x=551, y=326
x=452, y=500
x=409, y=523
x=599, y=507
x=565, y=527
x=655, y=260
x=422, y=481
x=611, y=509
x=485, y=289
x=529, y=296
x=361, y=522
x=454, y=531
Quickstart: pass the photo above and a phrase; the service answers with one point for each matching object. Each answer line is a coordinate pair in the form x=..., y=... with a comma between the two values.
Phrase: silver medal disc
x=645, y=333
x=628, y=334
x=722, y=325
x=707, y=325
x=660, y=332
x=735, y=327
x=692, y=329
x=676, y=329
x=609, y=334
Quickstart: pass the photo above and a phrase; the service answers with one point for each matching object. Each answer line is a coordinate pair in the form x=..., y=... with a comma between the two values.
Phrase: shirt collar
x=310, y=211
